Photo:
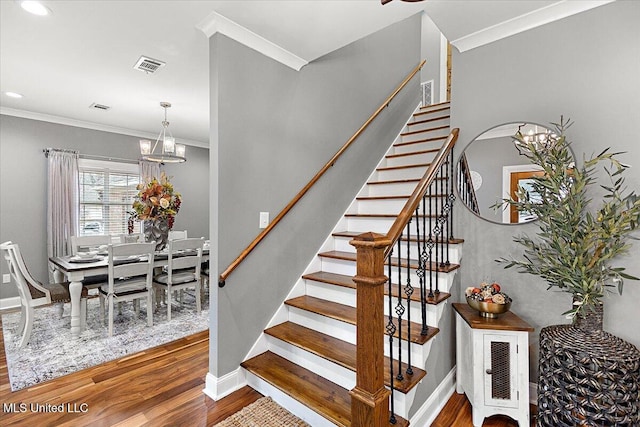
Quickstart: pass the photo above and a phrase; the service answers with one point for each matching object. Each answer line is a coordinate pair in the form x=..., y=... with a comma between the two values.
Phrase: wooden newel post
x=370, y=399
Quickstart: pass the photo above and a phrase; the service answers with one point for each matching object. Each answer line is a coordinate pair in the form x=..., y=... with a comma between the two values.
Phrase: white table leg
x=75, y=289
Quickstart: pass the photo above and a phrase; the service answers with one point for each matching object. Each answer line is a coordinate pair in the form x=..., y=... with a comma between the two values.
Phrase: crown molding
x=536, y=18
x=216, y=23
x=91, y=125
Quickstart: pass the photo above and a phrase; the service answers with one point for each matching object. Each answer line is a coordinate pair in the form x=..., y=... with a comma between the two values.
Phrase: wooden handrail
x=330, y=163
x=416, y=197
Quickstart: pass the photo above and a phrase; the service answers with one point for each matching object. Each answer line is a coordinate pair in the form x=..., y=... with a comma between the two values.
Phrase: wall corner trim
x=527, y=21
x=217, y=388
x=216, y=23
x=431, y=408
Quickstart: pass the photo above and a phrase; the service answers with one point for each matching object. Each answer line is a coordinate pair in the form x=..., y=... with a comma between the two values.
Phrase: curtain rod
x=46, y=152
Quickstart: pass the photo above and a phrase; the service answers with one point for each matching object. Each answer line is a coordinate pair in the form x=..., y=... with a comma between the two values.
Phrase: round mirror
x=491, y=169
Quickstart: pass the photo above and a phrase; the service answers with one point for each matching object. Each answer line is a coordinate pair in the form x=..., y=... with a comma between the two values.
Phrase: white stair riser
x=390, y=189
x=424, y=135
x=380, y=206
x=347, y=332
x=414, y=159
x=286, y=401
x=347, y=296
x=338, y=374
x=397, y=174
x=435, y=120
x=455, y=251
x=421, y=146
x=381, y=224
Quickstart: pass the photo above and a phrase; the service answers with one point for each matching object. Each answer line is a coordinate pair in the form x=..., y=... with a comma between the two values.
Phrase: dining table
x=75, y=269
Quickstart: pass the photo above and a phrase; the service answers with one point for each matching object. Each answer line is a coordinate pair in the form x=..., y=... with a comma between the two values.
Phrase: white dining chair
x=35, y=294
x=130, y=278
x=177, y=234
x=182, y=272
x=88, y=243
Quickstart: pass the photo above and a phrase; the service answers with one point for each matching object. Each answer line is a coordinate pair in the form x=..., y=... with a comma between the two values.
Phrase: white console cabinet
x=492, y=364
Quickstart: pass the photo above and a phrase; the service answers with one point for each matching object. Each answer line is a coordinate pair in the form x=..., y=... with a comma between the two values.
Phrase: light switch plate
x=264, y=219
x=6, y=278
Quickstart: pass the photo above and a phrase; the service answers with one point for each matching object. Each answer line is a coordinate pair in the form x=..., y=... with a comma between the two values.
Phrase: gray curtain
x=149, y=170
x=62, y=200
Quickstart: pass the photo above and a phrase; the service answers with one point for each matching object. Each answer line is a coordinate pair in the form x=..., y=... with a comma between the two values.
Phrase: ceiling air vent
x=96, y=106
x=148, y=65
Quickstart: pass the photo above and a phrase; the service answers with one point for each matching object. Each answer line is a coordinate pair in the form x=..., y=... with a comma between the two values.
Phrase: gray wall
x=275, y=128
x=23, y=183
x=430, y=51
x=586, y=68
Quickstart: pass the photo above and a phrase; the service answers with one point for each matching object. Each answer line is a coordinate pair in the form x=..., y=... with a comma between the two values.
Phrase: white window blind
x=107, y=190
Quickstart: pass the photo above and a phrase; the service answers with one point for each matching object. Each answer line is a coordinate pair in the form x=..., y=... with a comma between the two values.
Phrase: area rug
x=52, y=352
x=264, y=412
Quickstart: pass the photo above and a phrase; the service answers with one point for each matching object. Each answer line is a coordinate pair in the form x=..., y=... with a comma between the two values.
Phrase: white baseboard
x=7, y=303
x=428, y=412
x=217, y=388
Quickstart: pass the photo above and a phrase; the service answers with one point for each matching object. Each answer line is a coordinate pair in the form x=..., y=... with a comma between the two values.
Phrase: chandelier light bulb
x=145, y=147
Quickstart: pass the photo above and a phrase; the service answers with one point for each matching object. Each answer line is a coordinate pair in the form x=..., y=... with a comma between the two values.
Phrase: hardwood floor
x=158, y=387
x=457, y=412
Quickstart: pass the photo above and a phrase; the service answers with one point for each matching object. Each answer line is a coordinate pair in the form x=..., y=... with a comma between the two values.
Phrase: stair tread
x=338, y=351
x=419, y=141
x=321, y=395
x=433, y=119
x=415, y=132
x=436, y=105
x=434, y=110
x=347, y=282
x=402, y=181
x=382, y=215
x=347, y=314
x=417, y=165
x=351, y=256
x=413, y=153
x=395, y=196
x=413, y=239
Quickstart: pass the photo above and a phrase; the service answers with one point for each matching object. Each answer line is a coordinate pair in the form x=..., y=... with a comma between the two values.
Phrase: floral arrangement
x=487, y=293
x=156, y=200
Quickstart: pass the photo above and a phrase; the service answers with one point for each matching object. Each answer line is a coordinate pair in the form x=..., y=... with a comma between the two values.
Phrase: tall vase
x=158, y=231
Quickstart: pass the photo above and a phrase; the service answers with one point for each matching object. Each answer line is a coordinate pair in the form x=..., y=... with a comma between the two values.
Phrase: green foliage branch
x=575, y=246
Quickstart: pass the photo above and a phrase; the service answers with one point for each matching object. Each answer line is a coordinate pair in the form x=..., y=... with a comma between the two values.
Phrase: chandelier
x=541, y=139
x=170, y=151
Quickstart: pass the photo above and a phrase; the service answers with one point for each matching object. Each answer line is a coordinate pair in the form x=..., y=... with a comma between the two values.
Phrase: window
x=106, y=195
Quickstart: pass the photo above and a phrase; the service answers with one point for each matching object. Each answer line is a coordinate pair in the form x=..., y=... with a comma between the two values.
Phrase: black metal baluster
x=422, y=259
x=408, y=290
x=399, y=309
x=430, y=242
x=391, y=330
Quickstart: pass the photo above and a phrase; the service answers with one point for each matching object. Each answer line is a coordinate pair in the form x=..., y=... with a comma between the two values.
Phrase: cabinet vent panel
x=501, y=370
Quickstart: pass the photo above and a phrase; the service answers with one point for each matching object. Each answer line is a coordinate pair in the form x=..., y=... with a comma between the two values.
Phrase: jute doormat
x=264, y=412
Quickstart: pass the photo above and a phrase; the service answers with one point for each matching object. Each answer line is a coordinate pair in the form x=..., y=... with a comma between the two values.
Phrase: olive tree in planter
x=581, y=230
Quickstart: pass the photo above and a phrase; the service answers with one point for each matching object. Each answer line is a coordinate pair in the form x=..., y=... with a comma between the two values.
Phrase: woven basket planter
x=587, y=378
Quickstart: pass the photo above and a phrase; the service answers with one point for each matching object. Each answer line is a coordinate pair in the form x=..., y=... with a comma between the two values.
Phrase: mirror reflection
x=491, y=169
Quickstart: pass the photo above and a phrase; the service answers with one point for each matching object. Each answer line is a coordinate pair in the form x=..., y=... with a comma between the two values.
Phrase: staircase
x=306, y=358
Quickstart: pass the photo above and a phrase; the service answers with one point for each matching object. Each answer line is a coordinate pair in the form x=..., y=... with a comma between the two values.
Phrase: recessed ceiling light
x=13, y=95
x=35, y=7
